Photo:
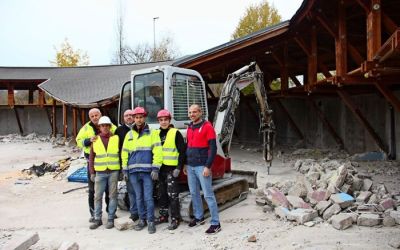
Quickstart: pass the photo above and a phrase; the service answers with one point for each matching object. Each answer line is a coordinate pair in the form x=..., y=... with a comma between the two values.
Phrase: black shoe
x=196, y=222
x=96, y=224
x=134, y=217
x=140, y=225
x=161, y=219
x=151, y=228
x=91, y=220
x=110, y=224
x=213, y=229
x=173, y=225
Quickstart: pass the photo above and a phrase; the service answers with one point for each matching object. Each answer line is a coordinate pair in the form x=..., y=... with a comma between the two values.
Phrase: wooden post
x=30, y=100
x=83, y=117
x=54, y=118
x=312, y=58
x=65, y=121
x=284, y=69
x=74, y=122
x=341, y=41
x=41, y=98
x=11, y=99
x=374, y=29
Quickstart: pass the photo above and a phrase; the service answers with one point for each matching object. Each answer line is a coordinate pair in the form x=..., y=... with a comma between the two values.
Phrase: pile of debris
x=333, y=191
x=43, y=168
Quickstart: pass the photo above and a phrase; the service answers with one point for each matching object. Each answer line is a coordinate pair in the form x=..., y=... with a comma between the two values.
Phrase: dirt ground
x=38, y=205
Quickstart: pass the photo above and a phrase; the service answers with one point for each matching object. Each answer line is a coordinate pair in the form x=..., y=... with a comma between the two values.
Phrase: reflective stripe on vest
x=170, y=153
x=106, y=159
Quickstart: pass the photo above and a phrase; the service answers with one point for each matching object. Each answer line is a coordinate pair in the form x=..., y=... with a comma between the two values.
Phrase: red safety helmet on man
x=139, y=111
x=163, y=113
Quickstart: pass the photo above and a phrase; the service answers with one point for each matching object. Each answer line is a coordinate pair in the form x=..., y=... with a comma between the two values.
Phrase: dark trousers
x=169, y=192
x=91, y=194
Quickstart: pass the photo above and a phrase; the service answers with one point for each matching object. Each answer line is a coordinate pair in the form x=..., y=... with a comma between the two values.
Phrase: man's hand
x=154, y=175
x=93, y=138
x=175, y=173
x=206, y=172
x=93, y=177
x=185, y=170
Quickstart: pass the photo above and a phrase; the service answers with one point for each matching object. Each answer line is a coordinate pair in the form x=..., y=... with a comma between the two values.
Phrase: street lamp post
x=154, y=37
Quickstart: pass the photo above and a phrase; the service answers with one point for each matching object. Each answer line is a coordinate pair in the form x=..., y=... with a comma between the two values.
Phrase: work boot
x=161, y=219
x=134, y=217
x=151, y=228
x=110, y=224
x=141, y=224
x=91, y=220
x=173, y=225
x=96, y=224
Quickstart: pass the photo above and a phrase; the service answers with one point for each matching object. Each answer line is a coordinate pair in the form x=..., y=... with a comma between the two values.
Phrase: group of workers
x=141, y=155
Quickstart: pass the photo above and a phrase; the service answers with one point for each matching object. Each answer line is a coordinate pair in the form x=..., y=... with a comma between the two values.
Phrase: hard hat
x=128, y=112
x=164, y=113
x=139, y=111
x=104, y=120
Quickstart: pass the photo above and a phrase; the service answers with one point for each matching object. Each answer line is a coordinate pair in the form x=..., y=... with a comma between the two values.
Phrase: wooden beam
x=65, y=121
x=296, y=81
x=209, y=91
x=361, y=118
x=10, y=94
x=21, y=131
x=389, y=95
x=341, y=41
x=326, y=123
x=290, y=119
x=54, y=118
x=30, y=98
x=312, y=59
x=284, y=69
x=374, y=29
x=74, y=122
x=303, y=45
x=324, y=70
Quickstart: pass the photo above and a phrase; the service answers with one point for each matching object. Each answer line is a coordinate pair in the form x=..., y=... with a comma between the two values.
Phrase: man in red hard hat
x=141, y=160
x=173, y=148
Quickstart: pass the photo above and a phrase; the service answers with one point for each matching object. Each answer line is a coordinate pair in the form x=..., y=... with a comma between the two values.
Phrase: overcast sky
x=30, y=29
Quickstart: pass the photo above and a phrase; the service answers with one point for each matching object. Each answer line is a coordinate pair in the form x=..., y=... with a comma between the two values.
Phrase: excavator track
x=228, y=192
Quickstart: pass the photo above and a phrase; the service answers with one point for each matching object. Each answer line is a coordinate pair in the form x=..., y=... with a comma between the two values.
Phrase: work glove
x=154, y=175
x=175, y=173
x=93, y=177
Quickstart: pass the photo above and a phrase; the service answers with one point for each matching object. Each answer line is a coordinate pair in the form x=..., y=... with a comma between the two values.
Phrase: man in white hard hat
x=104, y=167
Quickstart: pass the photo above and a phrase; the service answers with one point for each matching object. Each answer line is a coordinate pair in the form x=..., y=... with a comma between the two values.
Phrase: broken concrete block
x=354, y=216
x=381, y=190
x=337, y=180
x=260, y=201
x=22, y=242
x=342, y=221
x=386, y=204
x=395, y=215
x=281, y=212
x=313, y=176
x=318, y=195
x=297, y=202
x=363, y=196
x=395, y=243
x=389, y=221
x=346, y=188
x=301, y=215
x=276, y=197
x=330, y=211
x=298, y=190
x=373, y=199
x=367, y=184
x=368, y=220
x=357, y=184
x=267, y=208
x=366, y=208
x=342, y=199
x=123, y=223
x=322, y=206
x=309, y=224
x=66, y=245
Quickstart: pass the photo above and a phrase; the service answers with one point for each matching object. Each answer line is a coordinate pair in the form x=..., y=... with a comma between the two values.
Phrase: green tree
x=257, y=17
x=66, y=56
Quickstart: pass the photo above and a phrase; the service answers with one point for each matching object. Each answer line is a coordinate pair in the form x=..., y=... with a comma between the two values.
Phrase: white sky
x=30, y=29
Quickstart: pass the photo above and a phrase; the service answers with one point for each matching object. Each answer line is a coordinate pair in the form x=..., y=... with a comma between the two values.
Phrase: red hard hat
x=164, y=113
x=139, y=111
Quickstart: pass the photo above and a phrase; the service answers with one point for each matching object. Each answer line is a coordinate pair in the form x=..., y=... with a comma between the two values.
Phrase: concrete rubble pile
x=332, y=191
x=57, y=141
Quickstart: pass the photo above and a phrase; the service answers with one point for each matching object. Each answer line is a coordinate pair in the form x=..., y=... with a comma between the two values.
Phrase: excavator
x=175, y=89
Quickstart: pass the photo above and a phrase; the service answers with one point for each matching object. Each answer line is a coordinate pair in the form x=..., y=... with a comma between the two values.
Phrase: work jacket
x=84, y=135
x=106, y=159
x=141, y=151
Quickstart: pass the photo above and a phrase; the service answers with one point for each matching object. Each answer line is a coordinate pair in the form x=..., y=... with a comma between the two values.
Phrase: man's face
x=194, y=113
x=105, y=128
x=128, y=119
x=140, y=120
x=164, y=122
x=94, y=117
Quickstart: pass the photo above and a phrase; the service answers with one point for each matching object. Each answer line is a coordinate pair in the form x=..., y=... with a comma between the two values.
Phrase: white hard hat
x=104, y=120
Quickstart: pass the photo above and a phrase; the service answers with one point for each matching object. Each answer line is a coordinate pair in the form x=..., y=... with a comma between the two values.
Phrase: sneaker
x=213, y=229
x=91, y=220
x=173, y=225
x=161, y=219
x=151, y=228
x=140, y=225
x=110, y=224
x=134, y=217
x=96, y=224
x=196, y=222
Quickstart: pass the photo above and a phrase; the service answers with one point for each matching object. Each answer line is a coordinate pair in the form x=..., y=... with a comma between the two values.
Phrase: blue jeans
x=132, y=198
x=100, y=184
x=195, y=180
x=143, y=186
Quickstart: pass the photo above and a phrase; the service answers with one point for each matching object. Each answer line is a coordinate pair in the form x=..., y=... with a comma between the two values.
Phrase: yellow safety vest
x=87, y=132
x=106, y=159
x=170, y=152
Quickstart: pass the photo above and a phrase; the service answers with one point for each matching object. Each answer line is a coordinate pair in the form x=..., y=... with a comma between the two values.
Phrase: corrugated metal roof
x=79, y=86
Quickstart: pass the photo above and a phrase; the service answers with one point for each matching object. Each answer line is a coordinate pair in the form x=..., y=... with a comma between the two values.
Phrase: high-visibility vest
x=87, y=132
x=170, y=152
x=106, y=159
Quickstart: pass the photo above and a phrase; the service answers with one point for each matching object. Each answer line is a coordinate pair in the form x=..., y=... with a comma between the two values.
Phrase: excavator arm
x=224, y=119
